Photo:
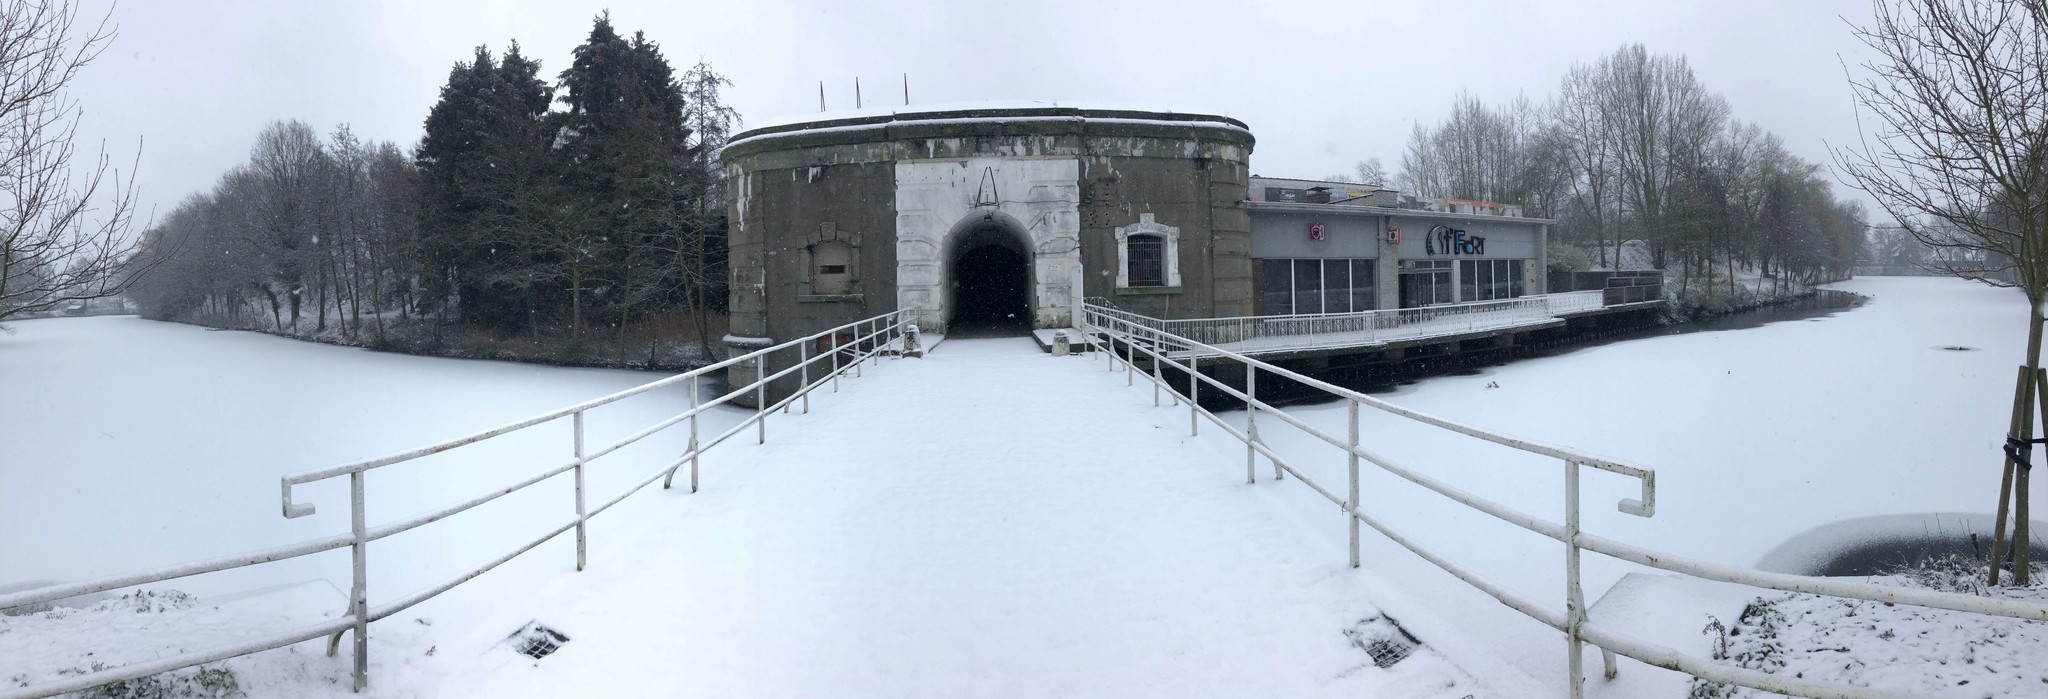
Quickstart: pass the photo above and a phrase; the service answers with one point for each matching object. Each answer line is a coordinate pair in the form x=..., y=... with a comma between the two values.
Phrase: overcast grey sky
x=1322, y=85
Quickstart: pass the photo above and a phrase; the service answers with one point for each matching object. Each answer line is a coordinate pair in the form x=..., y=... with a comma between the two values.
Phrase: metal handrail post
x=359, y=593
x=1279, y=473
x=577, y=418
x=835, y=361
x=859, y=360
x=1130, y=356
x=1251, y=423
x=1109, y=344
x=694, y=449
x=761, y=398
x=1574, y=598
x=880, y=340
x=1351, y=509
x=803, y=353
x=1154, y=354
x=1194, y=386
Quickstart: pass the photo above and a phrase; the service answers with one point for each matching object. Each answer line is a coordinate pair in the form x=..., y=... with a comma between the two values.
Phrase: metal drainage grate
x=1383, y=640
x=536, y=641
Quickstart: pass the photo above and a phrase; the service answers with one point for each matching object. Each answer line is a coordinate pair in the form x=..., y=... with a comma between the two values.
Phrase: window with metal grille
x=1147, y=259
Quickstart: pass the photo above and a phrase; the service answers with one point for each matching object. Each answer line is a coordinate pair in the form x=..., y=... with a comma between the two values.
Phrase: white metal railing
x=1358, y=328
x=1261, y=334
x=849, y=348
x=1574, y=301
x=1126, y=340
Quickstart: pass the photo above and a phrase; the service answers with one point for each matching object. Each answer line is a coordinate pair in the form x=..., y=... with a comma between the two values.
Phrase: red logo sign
x=1316, y=231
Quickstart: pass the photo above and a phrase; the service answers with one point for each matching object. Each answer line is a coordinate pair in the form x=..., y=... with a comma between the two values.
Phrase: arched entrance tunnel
x=991, y=284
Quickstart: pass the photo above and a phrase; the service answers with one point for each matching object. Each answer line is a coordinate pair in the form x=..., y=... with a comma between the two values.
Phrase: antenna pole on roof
x=856, y=92
x=906, y=89
x=821, y=95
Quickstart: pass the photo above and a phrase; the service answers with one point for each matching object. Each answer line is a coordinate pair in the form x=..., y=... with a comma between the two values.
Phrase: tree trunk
x=703, y=308
x=575, y=302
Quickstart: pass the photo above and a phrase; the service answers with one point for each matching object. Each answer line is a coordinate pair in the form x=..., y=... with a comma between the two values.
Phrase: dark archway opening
x=991, y=287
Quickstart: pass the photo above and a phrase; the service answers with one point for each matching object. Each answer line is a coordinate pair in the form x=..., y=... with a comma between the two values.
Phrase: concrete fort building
x=1000, y=219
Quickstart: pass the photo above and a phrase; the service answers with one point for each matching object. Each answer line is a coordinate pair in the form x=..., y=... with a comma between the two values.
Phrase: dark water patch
x=1885, y=556
x=1819, y=305
x=1885, y=544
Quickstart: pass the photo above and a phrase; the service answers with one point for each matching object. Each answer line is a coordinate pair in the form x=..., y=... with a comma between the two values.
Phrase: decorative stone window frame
x=1169, y=253
x=829, y=232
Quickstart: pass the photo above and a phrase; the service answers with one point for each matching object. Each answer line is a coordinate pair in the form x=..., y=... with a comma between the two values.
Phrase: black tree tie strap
x=2018, y=450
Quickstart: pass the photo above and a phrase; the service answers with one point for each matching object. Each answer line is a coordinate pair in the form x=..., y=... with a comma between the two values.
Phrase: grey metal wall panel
x=1277, y=234
x=1504, y=239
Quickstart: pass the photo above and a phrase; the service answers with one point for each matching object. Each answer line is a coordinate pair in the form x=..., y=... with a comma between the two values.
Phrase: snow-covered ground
x=128, y=444
x=1756, y=435
x=990, y=520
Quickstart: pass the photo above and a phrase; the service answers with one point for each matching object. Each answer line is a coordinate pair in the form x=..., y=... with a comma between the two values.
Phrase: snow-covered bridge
x=986, y=521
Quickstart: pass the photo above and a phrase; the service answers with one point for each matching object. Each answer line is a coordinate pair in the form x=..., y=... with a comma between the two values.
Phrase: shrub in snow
x=1879, y=644
x=211, y=681
x=1753, y=643
x=203, y=682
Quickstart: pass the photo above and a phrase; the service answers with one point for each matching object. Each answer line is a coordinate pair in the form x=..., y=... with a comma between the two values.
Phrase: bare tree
x=1478, y=152
x=1586, y=137
x=1372, y=172
x=64, y=235
x=286, y=163
x=1960, y=158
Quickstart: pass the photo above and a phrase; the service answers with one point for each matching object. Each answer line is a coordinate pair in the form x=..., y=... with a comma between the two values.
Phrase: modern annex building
x=1002, y=217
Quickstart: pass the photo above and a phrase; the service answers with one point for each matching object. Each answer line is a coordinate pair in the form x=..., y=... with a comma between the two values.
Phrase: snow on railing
x=1126, y=339
x=851, y=347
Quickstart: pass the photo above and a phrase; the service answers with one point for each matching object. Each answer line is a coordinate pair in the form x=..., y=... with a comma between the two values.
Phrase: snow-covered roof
x=1010, y=112
x=963, y=106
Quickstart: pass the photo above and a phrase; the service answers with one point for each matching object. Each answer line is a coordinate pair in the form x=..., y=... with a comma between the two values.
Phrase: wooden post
x=2022, y=534
x=2022, y=400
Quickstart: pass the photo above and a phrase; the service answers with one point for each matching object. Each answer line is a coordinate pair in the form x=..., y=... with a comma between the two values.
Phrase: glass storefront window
x=1485, y=280
x=1364, y=292
x=1276, y=287
x=1337, y=286
x=1426, y=283
x=1310, y=286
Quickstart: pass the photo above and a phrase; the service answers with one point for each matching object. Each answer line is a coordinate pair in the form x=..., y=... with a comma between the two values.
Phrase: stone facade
x=836, y=221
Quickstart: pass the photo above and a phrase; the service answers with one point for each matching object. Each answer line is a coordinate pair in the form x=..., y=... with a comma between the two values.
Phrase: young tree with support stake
x=1960, y=160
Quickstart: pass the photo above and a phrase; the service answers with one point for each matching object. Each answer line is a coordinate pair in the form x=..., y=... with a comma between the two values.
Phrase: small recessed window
x=1147, y=255
x=832, y=261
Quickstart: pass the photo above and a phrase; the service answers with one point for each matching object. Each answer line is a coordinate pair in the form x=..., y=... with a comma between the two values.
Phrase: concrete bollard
x=910, y=345
x=1060, y=347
